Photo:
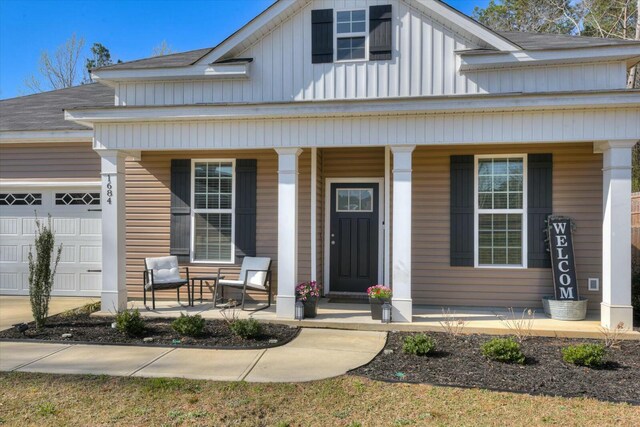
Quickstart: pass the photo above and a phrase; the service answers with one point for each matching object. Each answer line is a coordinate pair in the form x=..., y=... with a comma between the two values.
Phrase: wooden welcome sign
x=562, y=258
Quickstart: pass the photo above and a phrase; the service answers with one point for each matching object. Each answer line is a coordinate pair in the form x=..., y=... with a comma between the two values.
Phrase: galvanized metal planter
x=565, y=310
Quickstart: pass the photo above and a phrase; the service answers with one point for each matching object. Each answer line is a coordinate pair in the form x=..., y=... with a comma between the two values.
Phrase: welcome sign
x=562, y=258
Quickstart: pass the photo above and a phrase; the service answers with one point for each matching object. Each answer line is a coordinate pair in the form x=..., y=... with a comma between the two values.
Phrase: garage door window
x=77, y=199
x=20, y=199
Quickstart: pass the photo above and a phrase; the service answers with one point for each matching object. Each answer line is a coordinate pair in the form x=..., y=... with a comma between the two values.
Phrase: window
x=213, y=211
x=354, y=200
x=77, y=198
x=20, y=199
x=500, y=213
x=351, y=31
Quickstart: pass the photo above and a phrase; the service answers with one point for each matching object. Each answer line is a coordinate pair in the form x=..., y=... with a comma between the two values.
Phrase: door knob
x=333, y=242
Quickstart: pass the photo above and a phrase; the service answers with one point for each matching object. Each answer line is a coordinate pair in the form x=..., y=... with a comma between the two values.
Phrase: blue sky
x=130, y=29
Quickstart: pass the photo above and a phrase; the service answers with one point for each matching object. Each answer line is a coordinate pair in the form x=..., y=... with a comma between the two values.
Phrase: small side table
x=205, y=278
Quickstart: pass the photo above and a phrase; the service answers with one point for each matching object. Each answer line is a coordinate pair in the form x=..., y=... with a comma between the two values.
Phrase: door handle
x=333, y=242
x=94, y=271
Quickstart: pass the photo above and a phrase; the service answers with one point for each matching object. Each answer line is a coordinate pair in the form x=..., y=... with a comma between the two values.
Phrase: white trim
x=387, y=215
x=363, y=107
x=477, y=211
x=327, y=224
x=193, y=212
x=49, y=184
x=314, y=215
x=233, y=70
x=48, y=136
x=364, y=34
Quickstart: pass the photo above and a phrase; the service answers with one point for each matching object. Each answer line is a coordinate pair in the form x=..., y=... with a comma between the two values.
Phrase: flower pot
x=376, y=307
x=565, y=310
x=311, y=307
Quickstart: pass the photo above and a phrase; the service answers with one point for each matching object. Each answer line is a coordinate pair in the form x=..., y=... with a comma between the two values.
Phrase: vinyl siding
x=49, y=162
x=577, y=192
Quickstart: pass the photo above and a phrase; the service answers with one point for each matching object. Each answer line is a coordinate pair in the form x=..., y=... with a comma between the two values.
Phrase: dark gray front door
x=353, y=237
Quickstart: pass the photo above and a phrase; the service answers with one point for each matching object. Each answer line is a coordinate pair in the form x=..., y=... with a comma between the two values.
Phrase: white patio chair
x=163, y=273
x=255, y=275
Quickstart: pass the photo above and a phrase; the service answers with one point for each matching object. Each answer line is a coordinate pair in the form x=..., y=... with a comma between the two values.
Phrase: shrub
x=189, y=326
x=419, y=345
x=505, y=350
x=246, y=328
x=42, y=270
x=591, y=355
x=130, y=322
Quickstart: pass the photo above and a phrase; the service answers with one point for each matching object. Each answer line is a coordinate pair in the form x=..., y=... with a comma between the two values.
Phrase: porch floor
x=425, y=318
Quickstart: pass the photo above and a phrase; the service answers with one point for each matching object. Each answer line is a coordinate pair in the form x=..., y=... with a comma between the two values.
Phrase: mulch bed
x=98, y=330
x=459, y=362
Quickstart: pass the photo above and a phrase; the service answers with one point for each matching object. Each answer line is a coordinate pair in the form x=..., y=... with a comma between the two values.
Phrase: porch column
x=401, y=232
x=616, y=234
x=114, y=286
x=287, y=231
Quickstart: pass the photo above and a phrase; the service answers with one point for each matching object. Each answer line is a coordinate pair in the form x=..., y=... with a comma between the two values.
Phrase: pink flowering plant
x=379, y=292
x=307, y=290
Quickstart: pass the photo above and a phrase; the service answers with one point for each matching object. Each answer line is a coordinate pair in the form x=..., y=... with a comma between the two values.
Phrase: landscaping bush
x=419, y=345
x=591, y=355
x=505, y=350
x=130, y=323
x=246, y=328
x=189, y=326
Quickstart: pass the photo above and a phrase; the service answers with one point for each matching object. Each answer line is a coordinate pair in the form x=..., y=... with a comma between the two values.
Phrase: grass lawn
x=39, y=399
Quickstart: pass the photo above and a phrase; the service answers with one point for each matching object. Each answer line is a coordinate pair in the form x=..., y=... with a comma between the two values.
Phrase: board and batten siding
x=49, y=162
x=577, y=192
x=423, y=63
x=147, y=203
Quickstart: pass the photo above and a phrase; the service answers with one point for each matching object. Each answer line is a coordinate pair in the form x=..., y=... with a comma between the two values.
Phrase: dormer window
x=351, y=32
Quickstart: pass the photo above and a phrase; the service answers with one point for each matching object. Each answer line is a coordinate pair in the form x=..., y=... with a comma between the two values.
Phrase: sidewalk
x=314, y=355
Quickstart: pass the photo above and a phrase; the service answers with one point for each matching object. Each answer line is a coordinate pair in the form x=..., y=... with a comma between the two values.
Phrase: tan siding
x=46, y=162
x=353, y=162
x=577, y=193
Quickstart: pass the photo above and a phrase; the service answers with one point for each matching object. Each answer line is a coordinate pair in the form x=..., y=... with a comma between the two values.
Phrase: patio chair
x=163, y=273
x=255, y=275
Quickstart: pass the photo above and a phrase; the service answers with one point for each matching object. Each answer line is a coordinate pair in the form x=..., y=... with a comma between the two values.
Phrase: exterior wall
x=148, y=196
x=49, y=162
x=424, y=63
x=577, y=192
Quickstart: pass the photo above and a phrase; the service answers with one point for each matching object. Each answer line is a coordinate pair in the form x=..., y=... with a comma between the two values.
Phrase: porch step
x=347, y=298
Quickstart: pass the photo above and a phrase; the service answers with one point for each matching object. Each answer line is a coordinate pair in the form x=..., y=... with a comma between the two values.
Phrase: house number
x=109, y=189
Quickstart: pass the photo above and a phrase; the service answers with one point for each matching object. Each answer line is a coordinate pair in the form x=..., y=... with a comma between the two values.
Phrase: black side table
x=205, y=278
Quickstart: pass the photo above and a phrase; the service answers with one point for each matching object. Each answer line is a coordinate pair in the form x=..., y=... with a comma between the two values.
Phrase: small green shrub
x=419, y=345
x=591, y=355
x=246, y=328
x=505, y=350
x=189, y=326
x=130, y=322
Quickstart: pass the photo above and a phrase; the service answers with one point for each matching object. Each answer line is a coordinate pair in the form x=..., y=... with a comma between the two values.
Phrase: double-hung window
x=213, y=211
x=351, y=31
x=500, y=218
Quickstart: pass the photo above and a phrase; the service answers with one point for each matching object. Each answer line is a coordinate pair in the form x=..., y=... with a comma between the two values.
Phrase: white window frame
x=193, y=212
x=364, y=34
x=370, y=190
x=477, y=212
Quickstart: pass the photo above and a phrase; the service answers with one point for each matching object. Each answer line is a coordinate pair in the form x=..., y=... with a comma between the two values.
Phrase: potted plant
x=378, y=295
x=309, y=293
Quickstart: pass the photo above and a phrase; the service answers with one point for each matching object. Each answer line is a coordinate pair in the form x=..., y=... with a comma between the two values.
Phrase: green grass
x=52, y=400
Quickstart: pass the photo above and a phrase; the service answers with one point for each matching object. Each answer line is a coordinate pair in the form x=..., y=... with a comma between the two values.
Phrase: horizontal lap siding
x=47, y=162
x=148, y=203
x=577, y=192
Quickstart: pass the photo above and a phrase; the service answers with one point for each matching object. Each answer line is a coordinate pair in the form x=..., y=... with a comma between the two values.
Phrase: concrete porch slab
x=16, y=354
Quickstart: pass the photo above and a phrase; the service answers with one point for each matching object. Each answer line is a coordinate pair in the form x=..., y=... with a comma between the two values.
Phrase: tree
x=162, y=49
x=535, y=16
x=100, y=57
x=59, y=70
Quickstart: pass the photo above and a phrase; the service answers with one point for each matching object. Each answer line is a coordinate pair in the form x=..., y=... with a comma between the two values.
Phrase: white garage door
x=75, y=215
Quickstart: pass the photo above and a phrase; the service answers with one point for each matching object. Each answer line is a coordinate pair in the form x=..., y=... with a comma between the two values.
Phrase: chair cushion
x=164, y=269
x=256, y=280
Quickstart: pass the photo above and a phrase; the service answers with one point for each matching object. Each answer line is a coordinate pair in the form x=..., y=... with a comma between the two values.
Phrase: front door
x=353, y=236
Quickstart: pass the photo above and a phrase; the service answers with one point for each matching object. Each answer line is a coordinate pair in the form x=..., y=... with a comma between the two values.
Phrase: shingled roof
x=44, y=111
x=544, y=41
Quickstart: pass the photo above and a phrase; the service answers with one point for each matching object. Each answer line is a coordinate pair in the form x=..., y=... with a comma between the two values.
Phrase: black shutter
x=539, y=207
x=246, y=202
x=380, y=32
x=461, y=211
x=179, y=243
x=322, y=36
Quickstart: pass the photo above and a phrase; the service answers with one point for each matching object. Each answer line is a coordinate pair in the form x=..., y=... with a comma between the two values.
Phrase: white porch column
x=401, y=232
x=287, y=230
x=114, y=287
x=616, y=234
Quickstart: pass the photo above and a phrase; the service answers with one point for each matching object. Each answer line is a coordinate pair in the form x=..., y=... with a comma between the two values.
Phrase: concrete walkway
x=315, y=354
x=16, y=309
